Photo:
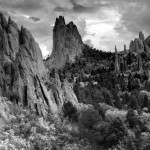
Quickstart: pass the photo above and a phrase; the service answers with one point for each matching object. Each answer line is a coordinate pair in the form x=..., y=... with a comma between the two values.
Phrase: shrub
x=116, y=132
x=70, y=111
x=134, y=103
x=132, y=118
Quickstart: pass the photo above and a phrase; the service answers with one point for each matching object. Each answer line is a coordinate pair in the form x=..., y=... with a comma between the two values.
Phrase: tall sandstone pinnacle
x=67, y=44
x=117, y=68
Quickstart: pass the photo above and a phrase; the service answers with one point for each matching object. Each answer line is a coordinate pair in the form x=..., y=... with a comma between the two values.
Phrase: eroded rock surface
x=22, y=71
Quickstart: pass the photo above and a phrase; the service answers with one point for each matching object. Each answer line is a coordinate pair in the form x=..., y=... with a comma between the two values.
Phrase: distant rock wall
x=140, y=45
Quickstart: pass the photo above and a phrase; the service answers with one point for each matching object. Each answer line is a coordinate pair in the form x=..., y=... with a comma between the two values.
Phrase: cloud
x=104, y=23
x=35, y=19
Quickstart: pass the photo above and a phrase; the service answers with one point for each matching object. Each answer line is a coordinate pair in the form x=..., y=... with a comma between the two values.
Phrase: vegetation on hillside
x=113, y=111
x=120, y=105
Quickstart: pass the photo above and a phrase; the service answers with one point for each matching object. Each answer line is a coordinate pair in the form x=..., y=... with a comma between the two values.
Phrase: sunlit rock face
x=67, y=44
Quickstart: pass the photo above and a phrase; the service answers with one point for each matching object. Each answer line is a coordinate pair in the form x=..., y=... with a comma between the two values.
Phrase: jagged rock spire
x=139, y=59
x=125, y=48
x=138, y=44
x=141, y=36
x=117, y=69
x=67, y=44
x=60, y=21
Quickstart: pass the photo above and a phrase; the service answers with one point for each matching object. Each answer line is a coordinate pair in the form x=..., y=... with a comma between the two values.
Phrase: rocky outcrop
x=67, y=44
x=61, y=92
x=22, y=71
x=137, y=46
x=125, y=49
x=117, y=68
x=140, y=45
x=141, y=36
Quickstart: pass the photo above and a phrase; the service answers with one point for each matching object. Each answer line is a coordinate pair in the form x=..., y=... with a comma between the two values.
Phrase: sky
x=101, y=23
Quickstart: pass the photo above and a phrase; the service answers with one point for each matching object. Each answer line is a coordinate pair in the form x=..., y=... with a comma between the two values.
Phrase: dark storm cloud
x=81, y=6
x=35, y=19
x=23, y=5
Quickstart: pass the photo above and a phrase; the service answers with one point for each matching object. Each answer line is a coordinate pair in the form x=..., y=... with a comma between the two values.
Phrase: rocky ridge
x=140, y=44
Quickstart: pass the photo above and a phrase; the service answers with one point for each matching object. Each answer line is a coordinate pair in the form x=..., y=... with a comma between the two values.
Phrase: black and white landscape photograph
x=74, y=74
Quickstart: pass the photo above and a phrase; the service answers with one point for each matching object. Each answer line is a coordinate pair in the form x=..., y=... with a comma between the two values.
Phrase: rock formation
x=22, y=70
x=67, y=44
x=137, y=45
x=141, y=36
x=23, y=77
x=117, y=68
x=122, y=69
x=140, y=45
x=125, y=49
x=61, y=92
x=139, y=59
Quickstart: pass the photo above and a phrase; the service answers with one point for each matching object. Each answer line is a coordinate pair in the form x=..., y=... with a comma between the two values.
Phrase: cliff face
x=67, y=44
x=22, y=72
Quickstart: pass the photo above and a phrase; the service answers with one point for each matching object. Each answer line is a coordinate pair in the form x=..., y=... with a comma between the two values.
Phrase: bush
x=116, y=132
x=70, y=111
x=132, y=118
x=134, y=102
